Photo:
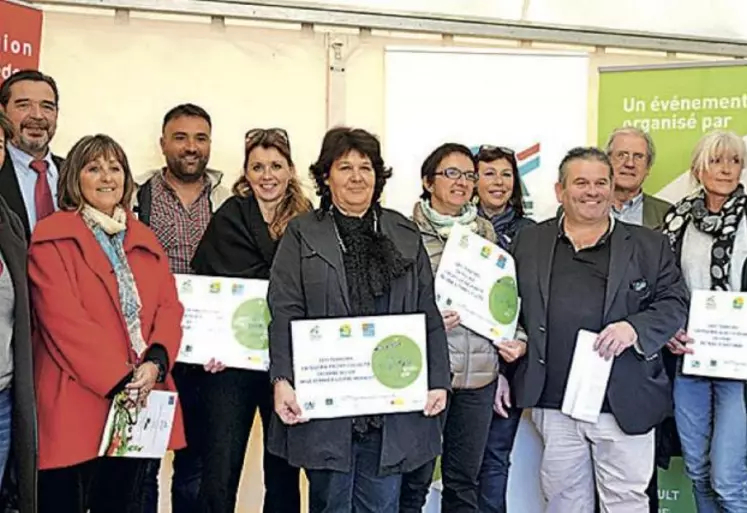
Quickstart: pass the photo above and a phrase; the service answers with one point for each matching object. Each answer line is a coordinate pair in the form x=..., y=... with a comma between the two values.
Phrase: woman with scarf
x=240, y=242
x=449, y=177
x=107, y=320
x=708, y=233
x=351, y=258
x=500, y=200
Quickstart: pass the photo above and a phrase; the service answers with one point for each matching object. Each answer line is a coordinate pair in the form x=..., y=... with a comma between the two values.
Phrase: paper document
x=478, y=279
x=225, y=319
x=132, y=431
x=360, y=365
x=587, y=381
x=718, y=326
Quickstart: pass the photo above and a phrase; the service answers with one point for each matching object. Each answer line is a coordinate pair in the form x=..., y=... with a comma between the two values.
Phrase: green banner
x=675, y=490
x=676, y=104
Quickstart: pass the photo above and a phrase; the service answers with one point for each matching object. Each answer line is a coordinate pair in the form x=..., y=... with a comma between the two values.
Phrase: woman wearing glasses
x=240, y=242
x=499, y=199
x=449, y=178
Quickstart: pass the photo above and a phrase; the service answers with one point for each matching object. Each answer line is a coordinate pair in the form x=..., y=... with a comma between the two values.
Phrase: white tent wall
x=119, y=75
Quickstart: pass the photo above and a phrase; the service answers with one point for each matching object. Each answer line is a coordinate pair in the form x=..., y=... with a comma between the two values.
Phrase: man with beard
x=28, y=178
x=177, y=202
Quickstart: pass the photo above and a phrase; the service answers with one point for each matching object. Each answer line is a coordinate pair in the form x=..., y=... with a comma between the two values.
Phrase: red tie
x=42, y=193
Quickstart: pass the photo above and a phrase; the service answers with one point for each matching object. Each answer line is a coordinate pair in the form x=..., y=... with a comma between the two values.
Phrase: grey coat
x=308, y=281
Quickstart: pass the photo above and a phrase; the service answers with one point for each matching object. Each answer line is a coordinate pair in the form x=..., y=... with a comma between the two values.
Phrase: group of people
x=89, y=308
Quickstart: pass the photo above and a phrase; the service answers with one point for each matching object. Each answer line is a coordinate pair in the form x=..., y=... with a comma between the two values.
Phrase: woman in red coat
x=107, y=319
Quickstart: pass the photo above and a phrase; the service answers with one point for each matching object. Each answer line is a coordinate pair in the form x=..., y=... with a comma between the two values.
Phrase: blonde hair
x=715, y=144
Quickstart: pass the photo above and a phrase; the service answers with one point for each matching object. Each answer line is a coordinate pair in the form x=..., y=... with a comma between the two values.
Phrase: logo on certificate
x=501, y=262
x=187, y=349
x=495, y=330
x=714, y=363
x=237, y=289
x=215, y=287
x=368, y=329
x=464, y=241
x=186, y=287
x=329, y=401
x=315, y=333
x=695, y=364
x=345, y=331
x=710, y=303
x=309, y=405
x=738, y=303
x=485, y=252
x=171, y=400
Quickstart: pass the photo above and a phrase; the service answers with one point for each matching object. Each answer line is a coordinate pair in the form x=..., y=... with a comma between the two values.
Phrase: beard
x=183, y=171
x=34, y=145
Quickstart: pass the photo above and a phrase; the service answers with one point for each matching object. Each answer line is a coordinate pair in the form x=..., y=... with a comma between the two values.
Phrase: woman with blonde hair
x=107, y=320
x=708, y=232
x=240, y=242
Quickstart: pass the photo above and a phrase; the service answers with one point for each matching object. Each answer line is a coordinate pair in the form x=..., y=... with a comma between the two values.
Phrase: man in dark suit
x=633, y=153
x=588, y=271
x=28, y=177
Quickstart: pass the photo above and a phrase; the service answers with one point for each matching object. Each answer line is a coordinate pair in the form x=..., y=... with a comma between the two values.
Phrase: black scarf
x=721, y=225
x=372, y=261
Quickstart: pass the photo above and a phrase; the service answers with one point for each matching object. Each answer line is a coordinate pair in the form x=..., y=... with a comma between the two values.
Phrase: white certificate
x=225, y=319
x=360, y=365
x=477, y=279
x=587, y=380
x=718, y=325
x=132, y=431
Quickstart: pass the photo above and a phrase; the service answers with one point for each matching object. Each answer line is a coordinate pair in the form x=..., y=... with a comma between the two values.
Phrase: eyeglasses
x=490, y=147
x=256, y=134
x=623, y=156
x=453, y=173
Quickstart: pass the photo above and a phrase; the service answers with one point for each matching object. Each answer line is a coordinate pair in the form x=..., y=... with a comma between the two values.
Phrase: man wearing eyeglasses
x=177, y=202
x=632, y=153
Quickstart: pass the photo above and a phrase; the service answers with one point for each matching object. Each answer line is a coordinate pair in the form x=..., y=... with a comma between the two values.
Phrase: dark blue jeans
x=362, y=490
x=496, y=462
x=185, y=484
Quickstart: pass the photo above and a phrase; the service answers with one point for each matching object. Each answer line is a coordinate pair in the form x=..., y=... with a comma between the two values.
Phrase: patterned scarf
x=722, y=226
x=443, y=223
x=110, y=233
x=504, y=225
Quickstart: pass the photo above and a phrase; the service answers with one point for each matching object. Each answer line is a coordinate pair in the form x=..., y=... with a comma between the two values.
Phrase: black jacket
x=11, y=191
x=639, y=391
x=308, y=281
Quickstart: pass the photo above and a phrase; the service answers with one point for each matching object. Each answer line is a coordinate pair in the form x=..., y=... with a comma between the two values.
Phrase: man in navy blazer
x=585, y=270
x=30, y=100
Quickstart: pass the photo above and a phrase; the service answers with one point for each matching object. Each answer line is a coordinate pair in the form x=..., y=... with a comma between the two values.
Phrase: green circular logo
x=250, y=322
x=504, y=300
x=397, y=361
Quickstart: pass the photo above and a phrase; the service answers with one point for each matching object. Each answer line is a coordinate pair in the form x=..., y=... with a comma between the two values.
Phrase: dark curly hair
x=337, y=143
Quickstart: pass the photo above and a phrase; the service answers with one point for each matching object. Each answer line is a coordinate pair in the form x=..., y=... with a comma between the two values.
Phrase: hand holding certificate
x=477, y=279
x=718, y=326
x=225, y=319
x=360, y=365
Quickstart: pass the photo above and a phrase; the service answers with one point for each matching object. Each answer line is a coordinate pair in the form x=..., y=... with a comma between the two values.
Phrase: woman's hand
x=678, y=343
x=502, y=401
x=435, y=403
x=451, y=319
x=511, y=350
x=285, y=404
x=143, y=381
x=214, y=366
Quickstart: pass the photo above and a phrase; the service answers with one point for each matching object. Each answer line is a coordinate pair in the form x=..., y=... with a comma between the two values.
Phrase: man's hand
x=451, y=319
x=502, y=401
x=435, y=403
x=678, y=343
x=614, y=339
x=511, y=350
x=214, y=366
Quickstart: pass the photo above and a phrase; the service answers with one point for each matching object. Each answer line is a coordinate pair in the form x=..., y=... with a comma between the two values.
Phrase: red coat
x=80, y=340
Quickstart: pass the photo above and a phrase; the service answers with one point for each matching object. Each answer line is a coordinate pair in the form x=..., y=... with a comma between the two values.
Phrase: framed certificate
x=718, y=325
x=225, y=319
x=360, y=365
x=478, y=279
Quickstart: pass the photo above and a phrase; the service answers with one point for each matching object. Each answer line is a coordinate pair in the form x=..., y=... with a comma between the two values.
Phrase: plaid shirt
x=179, y=229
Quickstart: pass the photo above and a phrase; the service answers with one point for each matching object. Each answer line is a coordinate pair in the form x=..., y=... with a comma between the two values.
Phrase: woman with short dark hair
x=108, y=320
x=350, y=258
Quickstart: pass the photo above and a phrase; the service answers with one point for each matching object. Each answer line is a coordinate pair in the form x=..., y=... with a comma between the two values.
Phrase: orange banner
x=20, y=37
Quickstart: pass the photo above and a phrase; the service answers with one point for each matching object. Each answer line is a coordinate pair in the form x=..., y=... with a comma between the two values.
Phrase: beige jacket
x=473, y=358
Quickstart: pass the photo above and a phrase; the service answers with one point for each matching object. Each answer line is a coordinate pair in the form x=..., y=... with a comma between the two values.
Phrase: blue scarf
x=504, y=224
